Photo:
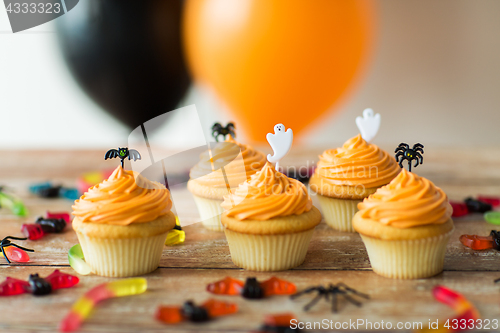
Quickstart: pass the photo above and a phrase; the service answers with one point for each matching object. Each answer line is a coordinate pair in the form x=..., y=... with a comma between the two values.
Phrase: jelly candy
x=59, y=215
x=77, y=261
x=37, y=285
x=43, y=226
x=252, y=289
x=197, y=314
x=13, y=251
x=278, y=323
x=493, y=201
x=492, y=217
x=176, y=235
x=476, y=206
x=82, y=308
x=459, y=209
x=13, y=203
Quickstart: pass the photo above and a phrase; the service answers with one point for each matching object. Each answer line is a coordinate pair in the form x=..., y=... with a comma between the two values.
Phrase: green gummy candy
x=492, y=217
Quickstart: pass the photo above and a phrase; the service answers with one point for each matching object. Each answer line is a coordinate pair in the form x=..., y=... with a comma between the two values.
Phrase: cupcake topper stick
x=403, y=152
x=217, y=130
x=368, y=124
x=123, y=153
x=281, y=142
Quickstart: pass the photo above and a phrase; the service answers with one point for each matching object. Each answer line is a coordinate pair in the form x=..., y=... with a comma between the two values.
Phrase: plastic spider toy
x=252, y=289
x=217, y=130
x=194, y=313
x=43, y=226
x=13, y=251
x=332, y=291
x=403, y=152
x=123, y=153
x=280, y=323
x=476, y=242
x=37, y=285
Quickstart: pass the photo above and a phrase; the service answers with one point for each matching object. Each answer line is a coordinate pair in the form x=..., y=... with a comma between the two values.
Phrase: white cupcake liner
x=210, y=212
x=122, y=257
x=338, y=213
x=407, y=259
x=268, y=252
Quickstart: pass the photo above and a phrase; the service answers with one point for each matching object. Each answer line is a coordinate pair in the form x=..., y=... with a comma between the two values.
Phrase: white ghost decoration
x=281, y=142
x=368, y=124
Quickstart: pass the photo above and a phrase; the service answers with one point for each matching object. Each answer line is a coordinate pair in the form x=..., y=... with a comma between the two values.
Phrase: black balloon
x=127, y=55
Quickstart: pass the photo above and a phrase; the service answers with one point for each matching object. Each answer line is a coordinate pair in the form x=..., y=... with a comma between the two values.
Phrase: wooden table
x=186, y=269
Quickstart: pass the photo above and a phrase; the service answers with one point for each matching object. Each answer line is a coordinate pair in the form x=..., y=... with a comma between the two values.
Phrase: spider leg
x=305, y=291
x=417, y=145
x=416, y=162
x=335, y=302
x=401, y=163
x=313, y=302
x=420, y=157
x=354, y=291
x=22, y=248
x=4, y=254
x=352, y=300
x=16, y=238
x=418, y=150
x=402, y=149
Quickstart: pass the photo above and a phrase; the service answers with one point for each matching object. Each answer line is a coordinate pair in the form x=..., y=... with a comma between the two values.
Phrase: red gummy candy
x=16, y=254
x=59, y=215
x=169, y=314
x=60, y=280
x=493, y=201
x=459, y=208
x=476, y=242
x=13, y=286
x=32, y=231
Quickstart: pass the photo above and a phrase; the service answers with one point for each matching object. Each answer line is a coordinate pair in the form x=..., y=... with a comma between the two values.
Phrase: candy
x=493, y=201
x=82, y=308
x=252, y=289
x=37, y=285
x=32, y=231
x=13, y=203
x=197, y=314
x=278, y=323
x=476, y=206
x=77, y=261
x=59, y=215
x=481, y=242
x=176, y=235
x=13, y=251
x=459, y=209
x=43, y=226
x=492, y=217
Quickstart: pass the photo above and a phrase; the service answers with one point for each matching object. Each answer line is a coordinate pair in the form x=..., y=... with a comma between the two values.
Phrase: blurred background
x=431, y=69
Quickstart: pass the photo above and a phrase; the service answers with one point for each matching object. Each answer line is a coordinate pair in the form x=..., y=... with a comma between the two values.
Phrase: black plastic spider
x=6, y=242
x=403, y=152
x=333, y=290
x=217, y=130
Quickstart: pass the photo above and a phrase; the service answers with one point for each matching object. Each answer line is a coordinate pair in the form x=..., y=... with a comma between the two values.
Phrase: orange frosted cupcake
x=346, y=175
x=405, y=227
x=269, y=222
x=209, y=187
x=122, y=224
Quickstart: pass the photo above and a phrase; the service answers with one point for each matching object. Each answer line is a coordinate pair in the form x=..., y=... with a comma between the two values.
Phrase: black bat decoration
x=123, y=153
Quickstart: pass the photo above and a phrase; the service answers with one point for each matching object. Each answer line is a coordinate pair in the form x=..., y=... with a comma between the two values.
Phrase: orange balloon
x=277, y=61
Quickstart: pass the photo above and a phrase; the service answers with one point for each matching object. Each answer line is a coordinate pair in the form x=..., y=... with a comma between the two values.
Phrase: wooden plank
x=391, y=300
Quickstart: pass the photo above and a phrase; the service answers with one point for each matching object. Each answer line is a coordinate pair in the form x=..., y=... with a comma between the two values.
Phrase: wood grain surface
x=204, y=257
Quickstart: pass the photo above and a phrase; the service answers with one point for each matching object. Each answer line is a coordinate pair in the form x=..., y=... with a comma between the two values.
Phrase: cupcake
x=269, y=221
x=122, y=224
x=209, y=187
x=405, y=227
x=345, y=176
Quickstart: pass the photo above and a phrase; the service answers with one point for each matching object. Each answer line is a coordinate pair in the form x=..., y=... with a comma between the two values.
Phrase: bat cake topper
x=403, y=152
x=217, y=130
x=123, y=153
x=368, y=124
x=281, y=142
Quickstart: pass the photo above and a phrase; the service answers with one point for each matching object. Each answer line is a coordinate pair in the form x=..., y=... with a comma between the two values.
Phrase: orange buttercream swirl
x=239, y=162
x=357, y=163
x=125, y=197
x=408, y=201
x=267, y=194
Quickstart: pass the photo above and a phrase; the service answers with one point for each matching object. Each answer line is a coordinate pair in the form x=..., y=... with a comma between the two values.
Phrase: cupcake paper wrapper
x=122, y=257
x=407, y=259
x=210, y=212
x=338, y=213
x=268, y=252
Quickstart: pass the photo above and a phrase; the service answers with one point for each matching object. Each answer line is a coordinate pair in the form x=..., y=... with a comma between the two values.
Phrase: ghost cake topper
x=281, y=142
x=368, y=124
x=123, y=153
